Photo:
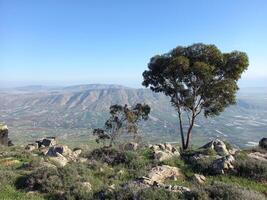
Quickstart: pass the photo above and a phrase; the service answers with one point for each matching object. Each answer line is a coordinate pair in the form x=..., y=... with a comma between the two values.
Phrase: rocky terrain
x=48, y=169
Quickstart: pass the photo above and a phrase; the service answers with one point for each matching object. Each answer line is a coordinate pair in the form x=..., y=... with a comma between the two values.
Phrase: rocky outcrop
x=4, y=140
x=163, y=152
x=59, y=160
x=215, y=157
x=219, y=147
x=42, y=144
x=263, y=143
x=146, y=182
x=221, y=165
x=62, y=154
x=46, y=142
x=160, y=173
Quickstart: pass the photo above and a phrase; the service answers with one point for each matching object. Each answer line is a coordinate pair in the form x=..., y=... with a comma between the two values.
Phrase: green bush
x=220, y=190
x=108, y=155
x=134, y=193
x=251, y=168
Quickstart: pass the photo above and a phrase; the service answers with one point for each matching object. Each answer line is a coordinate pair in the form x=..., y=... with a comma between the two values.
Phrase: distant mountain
x=59, y=110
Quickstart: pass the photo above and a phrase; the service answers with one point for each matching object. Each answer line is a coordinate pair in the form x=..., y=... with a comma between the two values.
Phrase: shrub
x=134, y=193
x=109, y=155
x=251, y=168
x=220, y=190
x=42, y=179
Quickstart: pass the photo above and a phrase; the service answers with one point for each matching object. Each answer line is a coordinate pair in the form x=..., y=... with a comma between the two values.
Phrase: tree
x=122, y=119
x=198, y=79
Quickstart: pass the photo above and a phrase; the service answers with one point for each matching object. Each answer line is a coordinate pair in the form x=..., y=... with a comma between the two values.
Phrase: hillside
x=48, y=170
x=70, y=111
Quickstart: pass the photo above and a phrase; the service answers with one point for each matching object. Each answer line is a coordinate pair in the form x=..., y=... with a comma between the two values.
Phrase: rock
x=258, y=156
x=4, y=135
x=263, y=143
x=31, y=147
x=82, y=160
x=86, y=186
x=160, y=173
x=146, y=182
x=163, y=152
x=199, y=178
x=131, y=146
x=223, y=164
x=76, y=153
x=218, y=146
x=46, y=142
x=59, y=160
x=63, y=150
x=177, y=188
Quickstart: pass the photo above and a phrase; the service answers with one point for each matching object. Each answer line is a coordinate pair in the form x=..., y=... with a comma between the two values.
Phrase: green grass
x=9, y=192
x=243, y=182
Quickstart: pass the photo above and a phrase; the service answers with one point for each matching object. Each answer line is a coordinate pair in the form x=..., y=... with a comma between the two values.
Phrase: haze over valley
x=72, y=112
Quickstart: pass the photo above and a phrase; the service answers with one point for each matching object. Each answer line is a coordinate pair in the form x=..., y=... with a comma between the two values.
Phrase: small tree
x=198, y=79
x=122, y=119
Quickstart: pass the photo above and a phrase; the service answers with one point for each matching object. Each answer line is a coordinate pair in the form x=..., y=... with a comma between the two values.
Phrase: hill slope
x=31, y=111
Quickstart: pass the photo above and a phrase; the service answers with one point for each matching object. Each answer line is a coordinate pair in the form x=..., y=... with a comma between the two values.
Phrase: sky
x=67, y=42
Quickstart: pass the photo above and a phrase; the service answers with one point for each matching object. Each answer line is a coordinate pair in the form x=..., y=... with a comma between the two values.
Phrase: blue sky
x=64, y=42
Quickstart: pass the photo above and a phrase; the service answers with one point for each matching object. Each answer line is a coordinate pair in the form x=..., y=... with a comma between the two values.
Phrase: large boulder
x=61, y=149
x=221, y=165
x=219, y=147
x=46, y=142
x=263, y=143
x=163, y=152
x=4, y=135
x=160, y=173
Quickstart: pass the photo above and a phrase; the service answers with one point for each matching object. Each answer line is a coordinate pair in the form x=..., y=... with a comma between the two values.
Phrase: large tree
x=198, y=79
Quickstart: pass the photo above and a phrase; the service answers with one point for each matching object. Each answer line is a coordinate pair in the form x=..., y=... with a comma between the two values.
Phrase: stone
x=200, y=179
x=59, y=160
x=46, y=142
x=258, y=156
x=263, y=143
x=161, y=173
x=86, y=186
x=3, y=135
x=218, y=146
x=223, y=164
x=62, y=149
x=131, y=146
x=31, y=147
x=163, y=152
x=76, y=153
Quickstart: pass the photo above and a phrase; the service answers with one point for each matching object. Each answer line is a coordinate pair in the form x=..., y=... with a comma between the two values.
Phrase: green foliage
x=122, y=119
x=197, y=78
x=238, y=181
x=219, y=190
x=252, y=168
x=131, y=192
x=10, y=193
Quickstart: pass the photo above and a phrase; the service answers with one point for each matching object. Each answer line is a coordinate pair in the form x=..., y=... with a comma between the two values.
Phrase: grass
x=9, y=192
x=243, y=182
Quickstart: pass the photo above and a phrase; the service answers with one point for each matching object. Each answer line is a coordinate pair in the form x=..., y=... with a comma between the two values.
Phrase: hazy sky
x=73, y=41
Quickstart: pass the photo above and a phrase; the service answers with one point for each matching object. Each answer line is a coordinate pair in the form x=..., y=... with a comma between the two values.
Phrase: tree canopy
x=122, y=119
x=198, y=79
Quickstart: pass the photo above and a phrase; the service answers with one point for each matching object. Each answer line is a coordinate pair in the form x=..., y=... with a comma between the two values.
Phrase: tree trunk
x=189, y=133
x=181, y=130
